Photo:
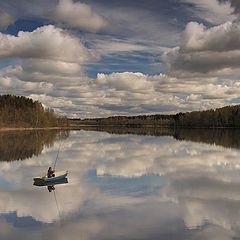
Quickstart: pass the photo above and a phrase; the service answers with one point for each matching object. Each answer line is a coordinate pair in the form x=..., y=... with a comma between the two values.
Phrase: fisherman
x=50, y=172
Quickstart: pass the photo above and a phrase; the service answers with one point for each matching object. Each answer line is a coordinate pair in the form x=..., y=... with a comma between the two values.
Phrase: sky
x=98, y=58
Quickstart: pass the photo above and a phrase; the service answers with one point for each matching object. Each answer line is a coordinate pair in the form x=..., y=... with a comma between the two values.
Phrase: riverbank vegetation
x=22, y=112
x=19, y=111
x=228, y=116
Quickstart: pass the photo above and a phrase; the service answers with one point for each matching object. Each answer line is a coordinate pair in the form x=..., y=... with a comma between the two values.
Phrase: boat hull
x=58, y=176
x=41, y=183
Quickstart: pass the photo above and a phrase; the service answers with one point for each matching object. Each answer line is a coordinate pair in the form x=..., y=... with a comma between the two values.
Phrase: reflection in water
x=223, y=137
x=51, y=188
x=125, y=187
x=19, y=145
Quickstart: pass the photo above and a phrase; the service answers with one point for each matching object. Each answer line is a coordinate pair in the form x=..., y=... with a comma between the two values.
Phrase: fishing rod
x=57, y=156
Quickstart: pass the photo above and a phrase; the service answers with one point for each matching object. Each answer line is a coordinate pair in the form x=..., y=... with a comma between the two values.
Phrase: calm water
x=174, y=185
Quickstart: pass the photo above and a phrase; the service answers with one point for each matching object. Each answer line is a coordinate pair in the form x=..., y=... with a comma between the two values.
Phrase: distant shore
x=27, y=128
x=2, y=129
x=111, y=126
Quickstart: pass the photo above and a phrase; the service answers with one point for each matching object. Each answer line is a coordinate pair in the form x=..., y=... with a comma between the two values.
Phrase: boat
x=50, y=181
x=41, y=183
x=60, y=175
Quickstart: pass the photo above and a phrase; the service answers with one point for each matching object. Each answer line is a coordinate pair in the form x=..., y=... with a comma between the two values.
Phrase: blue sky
x=100, y=58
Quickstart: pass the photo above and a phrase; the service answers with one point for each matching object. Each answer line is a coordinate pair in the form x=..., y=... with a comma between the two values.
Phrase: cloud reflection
x=126, y=186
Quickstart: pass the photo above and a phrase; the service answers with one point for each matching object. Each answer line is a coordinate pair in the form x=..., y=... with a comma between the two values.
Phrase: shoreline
x=5, y=129
x=84, y=126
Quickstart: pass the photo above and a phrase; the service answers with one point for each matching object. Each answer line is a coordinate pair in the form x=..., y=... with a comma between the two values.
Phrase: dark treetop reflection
x=19, y=145
x=226, y=137
x=124, y=187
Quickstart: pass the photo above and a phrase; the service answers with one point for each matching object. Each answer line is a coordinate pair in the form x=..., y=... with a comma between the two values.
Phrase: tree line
x=19, y=111
x=228, y=116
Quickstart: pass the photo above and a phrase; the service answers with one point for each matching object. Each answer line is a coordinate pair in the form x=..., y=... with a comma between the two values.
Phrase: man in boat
x=50, y=172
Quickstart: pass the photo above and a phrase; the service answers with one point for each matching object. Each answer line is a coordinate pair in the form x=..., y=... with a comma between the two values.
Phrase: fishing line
x=58, y=209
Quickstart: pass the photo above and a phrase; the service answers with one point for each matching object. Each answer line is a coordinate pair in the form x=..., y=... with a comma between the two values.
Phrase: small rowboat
x=41, y=183
x=58, y=176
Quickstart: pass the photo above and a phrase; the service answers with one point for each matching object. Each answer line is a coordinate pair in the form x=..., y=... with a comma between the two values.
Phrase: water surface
x=180, y=185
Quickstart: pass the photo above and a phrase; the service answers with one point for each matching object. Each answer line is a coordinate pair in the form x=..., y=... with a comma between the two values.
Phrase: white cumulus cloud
x=197, y=37
x=78, y=15
x=125, y=81
x=205, y=50
x=47, y=42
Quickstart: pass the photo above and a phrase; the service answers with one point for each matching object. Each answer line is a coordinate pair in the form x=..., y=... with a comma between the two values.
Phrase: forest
x=226, y=117
x=19, y=111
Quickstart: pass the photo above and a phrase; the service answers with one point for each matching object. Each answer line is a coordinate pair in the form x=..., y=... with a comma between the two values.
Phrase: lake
x=122, y=184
